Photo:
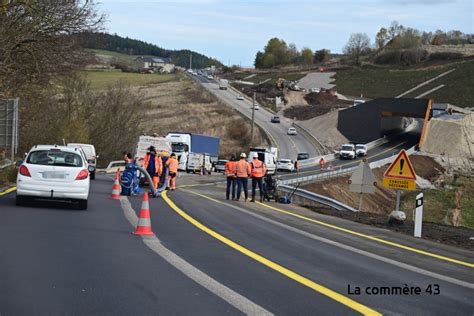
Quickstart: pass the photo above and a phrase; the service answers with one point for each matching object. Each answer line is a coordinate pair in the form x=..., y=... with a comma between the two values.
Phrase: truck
x=161, y=144
x=223, y=83
x=268, y=156
x=184, y=143
x=198, y=162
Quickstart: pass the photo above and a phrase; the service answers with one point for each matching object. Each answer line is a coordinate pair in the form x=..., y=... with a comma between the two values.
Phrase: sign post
x=362, y=181
x=418, y=215
x=400, y=175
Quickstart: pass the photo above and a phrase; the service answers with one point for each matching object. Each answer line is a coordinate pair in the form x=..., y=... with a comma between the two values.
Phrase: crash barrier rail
x=313, y=139
x=7, y=163
x=313, y=197
x=320, y=176
x=380, y=163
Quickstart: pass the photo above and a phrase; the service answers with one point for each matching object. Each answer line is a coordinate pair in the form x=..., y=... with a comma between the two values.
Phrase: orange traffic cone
x=144, y=223
x=116, y=187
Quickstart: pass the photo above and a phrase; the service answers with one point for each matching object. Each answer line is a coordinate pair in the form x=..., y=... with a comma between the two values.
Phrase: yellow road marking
x=358, y=160
x=383, y=241
x=7, y=191
x=272, y=265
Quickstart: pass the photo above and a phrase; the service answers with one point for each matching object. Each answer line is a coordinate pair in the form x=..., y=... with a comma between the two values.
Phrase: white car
x=292, y=131
x=210, y=77
x=347, y=152
x=240, y=97
x=257, y=107
x=361, y=150
x=52, y=172
x=285, y=165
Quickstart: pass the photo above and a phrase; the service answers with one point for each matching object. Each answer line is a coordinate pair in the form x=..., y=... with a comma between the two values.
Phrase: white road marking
x=355, y=250
x=233, y=298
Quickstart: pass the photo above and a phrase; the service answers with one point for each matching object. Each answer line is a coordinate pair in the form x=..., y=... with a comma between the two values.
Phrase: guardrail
x=320, y=176
x=317, y=198
x=6, y=164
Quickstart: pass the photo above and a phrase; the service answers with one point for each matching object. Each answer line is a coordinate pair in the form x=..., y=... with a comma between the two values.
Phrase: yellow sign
x=400, y=174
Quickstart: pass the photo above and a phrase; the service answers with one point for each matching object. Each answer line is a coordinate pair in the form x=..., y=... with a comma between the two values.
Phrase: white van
x=197, y=161
x=89, y=151
x=269, y=158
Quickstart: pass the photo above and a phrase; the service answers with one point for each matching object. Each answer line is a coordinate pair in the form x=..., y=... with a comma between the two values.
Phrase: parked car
x=240, y=97
x=91, y=156
x=275, y=119
x=285, y=165
x=302, y=156
x=347, y=152
x=53, y=172
x=315, y=90
x=357, y=102
x=220, y=165
x=361, y=150
x=292, y=131
x=210, y=77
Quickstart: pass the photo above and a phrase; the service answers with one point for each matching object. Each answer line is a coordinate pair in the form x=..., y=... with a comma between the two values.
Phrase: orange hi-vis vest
x=243, y=169
x=158, y=163
x=230, y=168
x=258, y=169
x=172, y=164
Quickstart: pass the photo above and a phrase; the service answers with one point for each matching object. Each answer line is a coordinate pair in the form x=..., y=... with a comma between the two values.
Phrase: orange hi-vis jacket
x=258, y=168
x=172, y=164
x=230, y=168
x=158, y=163
x=243, y=168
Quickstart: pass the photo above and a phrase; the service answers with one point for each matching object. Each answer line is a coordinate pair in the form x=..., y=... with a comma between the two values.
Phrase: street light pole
x=253, y=119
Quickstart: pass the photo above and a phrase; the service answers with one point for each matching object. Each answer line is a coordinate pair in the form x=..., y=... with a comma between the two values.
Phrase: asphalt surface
x=55, y=260
x=289, y=145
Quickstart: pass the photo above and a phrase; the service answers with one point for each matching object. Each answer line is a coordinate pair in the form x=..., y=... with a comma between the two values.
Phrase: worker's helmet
x=254, y=155
x=243, y=155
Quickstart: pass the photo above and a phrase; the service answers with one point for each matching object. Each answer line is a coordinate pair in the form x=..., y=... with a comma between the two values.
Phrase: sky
x=233, y=31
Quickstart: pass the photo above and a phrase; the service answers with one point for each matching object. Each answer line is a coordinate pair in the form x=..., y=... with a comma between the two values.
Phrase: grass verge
x=100, y=80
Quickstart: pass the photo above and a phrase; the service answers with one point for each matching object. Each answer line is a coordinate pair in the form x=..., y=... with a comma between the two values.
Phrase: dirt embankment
x=377, y=206
x=318, y=104
x=184, y=106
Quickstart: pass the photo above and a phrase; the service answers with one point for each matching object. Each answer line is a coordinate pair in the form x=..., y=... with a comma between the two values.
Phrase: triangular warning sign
x=401, y=168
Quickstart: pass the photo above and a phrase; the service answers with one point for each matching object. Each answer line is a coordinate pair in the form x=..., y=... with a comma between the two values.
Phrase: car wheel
x=92, y=175
x=82, y=204
x=187, y=170
x=22, y=200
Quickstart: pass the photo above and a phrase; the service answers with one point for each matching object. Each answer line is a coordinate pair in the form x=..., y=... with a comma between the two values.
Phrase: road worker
x=231, y=174
x=297, y=166
x=153, y=165
x=243, y=172
x=172, y=165
x=258, y=171
x=321, y=163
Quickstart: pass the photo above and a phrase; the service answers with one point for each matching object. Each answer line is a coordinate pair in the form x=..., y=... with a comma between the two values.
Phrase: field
x=100, y=80
x=273, y=76
x=372, y=82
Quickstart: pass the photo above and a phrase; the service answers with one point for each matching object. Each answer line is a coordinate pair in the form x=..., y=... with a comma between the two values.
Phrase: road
x=213, y=257
x=289, y=146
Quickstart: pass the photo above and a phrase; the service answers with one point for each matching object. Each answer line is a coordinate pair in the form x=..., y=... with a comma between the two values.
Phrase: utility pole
x=190, y=61
x=253, y=119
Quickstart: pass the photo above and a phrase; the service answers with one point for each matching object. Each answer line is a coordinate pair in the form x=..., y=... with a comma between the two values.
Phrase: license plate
x=54, y=175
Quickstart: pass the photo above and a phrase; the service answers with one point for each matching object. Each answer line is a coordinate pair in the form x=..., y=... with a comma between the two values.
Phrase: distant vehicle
x=361, y=150
x=52, y=172
x=315, y=90
x=347, y=152
x=240, y=97
x=223, y=83
x=220, y=165
x=91, y=156
x=357, y=102
x=285, y=165
x=210, y=77
x=275, y=119
x=190, y=71
x=302, y=156
x=197, y=161
x=268, y=156
x=257, y=107
x=292, y=131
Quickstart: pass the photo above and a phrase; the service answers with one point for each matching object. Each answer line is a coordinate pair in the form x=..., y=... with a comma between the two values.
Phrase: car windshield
x=360, y=147
x=347, y=147
x=54, y=158
x=284, y=161
x=220, y=162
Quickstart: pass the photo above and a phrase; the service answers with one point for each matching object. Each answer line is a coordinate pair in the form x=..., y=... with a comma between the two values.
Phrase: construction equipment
x=287, y=198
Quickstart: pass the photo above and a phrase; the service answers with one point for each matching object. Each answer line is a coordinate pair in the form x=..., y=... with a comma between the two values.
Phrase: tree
x=321, y=55
x=293, y=53
x=307, y=55
x=381, y=38
x=357, y=46
x=35, y=45
x=394, y=30
x=259, y=60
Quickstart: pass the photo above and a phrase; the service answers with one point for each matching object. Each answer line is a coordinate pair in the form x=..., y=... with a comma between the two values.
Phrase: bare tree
x=34, y=42
x=358, y=45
